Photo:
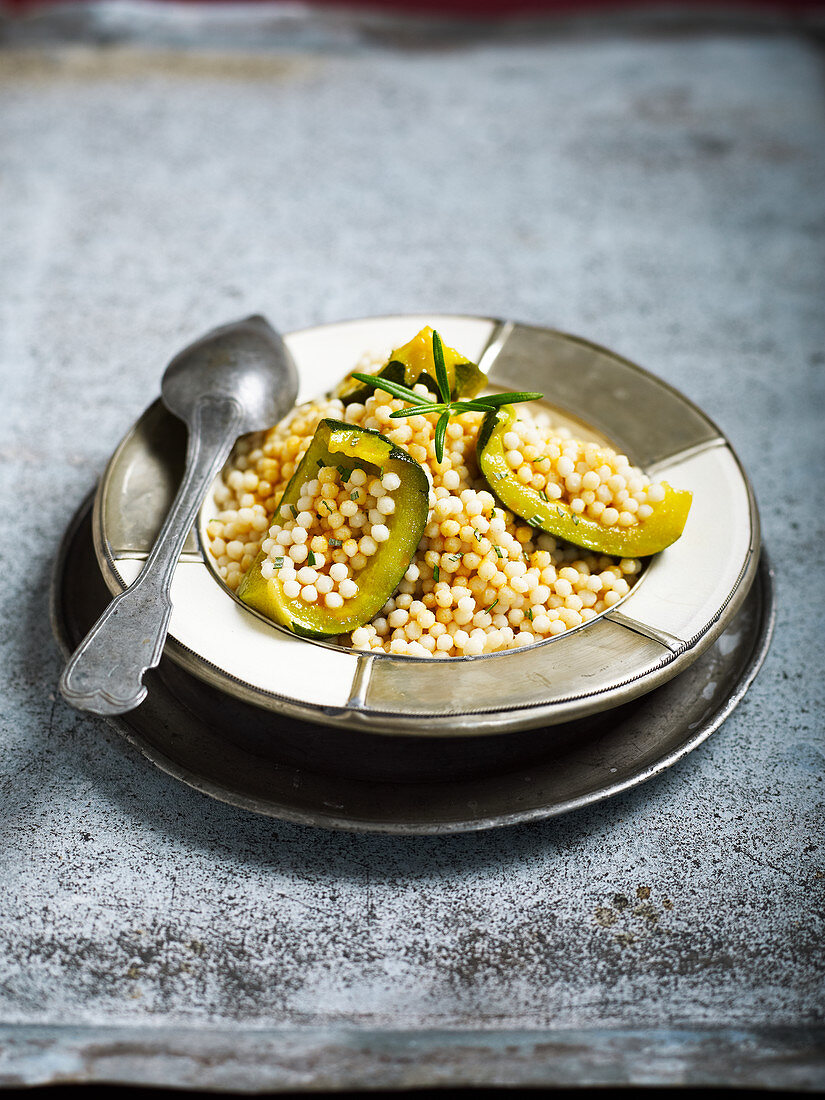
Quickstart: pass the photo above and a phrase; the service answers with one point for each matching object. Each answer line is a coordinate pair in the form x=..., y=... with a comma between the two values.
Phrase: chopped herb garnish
x=456, y=557
x=575, y=519
x=294, y=511
x=445, y=408
x=436, y=573
x=498, y=551
x=560, y=511
x=278, y=562
x=354, y=495
x=492, y=605
x=530, y=613
x=335, y=543
x=345, y=472
x=310, y=558
x=477, y=534
x=320, y=463
x=535, y=521
x=544, y=496
x=327, y=505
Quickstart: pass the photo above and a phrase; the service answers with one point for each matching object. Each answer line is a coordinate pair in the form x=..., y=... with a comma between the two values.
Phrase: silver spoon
x=238, y=378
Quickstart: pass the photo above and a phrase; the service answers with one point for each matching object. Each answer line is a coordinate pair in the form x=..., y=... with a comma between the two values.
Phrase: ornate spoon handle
x=105, y=673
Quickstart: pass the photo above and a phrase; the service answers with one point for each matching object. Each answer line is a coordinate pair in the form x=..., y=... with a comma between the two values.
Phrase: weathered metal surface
x=334, y=1059
x=660, y=194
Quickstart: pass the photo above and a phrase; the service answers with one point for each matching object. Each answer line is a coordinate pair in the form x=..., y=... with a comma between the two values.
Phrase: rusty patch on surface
x=605, y=917
x=629, y=922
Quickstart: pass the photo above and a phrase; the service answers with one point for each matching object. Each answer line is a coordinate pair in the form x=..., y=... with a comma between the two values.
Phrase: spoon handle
x=105, y=673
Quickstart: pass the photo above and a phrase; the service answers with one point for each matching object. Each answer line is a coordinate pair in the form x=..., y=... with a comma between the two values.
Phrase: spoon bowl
x=245, y=361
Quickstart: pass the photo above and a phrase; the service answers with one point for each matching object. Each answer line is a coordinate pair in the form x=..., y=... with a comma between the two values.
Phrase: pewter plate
x=364, y=782
x=685, y=599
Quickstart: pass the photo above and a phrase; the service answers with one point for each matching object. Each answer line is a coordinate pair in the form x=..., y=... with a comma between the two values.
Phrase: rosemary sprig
x=440, y=433
x=446, y=407
x=440, y=368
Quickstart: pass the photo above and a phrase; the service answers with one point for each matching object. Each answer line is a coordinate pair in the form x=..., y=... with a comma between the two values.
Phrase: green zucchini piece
x=650, y=536
x=414, y=363
x=348, y=447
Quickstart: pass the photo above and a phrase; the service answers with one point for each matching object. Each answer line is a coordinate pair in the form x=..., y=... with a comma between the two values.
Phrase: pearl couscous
x=592, y=480
x=482, y=580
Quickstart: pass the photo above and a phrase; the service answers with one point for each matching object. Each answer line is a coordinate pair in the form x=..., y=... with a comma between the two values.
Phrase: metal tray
x=349, y=779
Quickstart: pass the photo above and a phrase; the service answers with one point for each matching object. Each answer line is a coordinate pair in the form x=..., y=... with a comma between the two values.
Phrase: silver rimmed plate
x=688, y=595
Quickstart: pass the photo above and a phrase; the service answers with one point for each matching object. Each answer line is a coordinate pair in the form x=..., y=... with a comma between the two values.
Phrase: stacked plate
x=324, y=735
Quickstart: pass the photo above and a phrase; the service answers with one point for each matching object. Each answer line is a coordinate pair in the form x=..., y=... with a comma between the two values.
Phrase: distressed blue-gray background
x=657, y=189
